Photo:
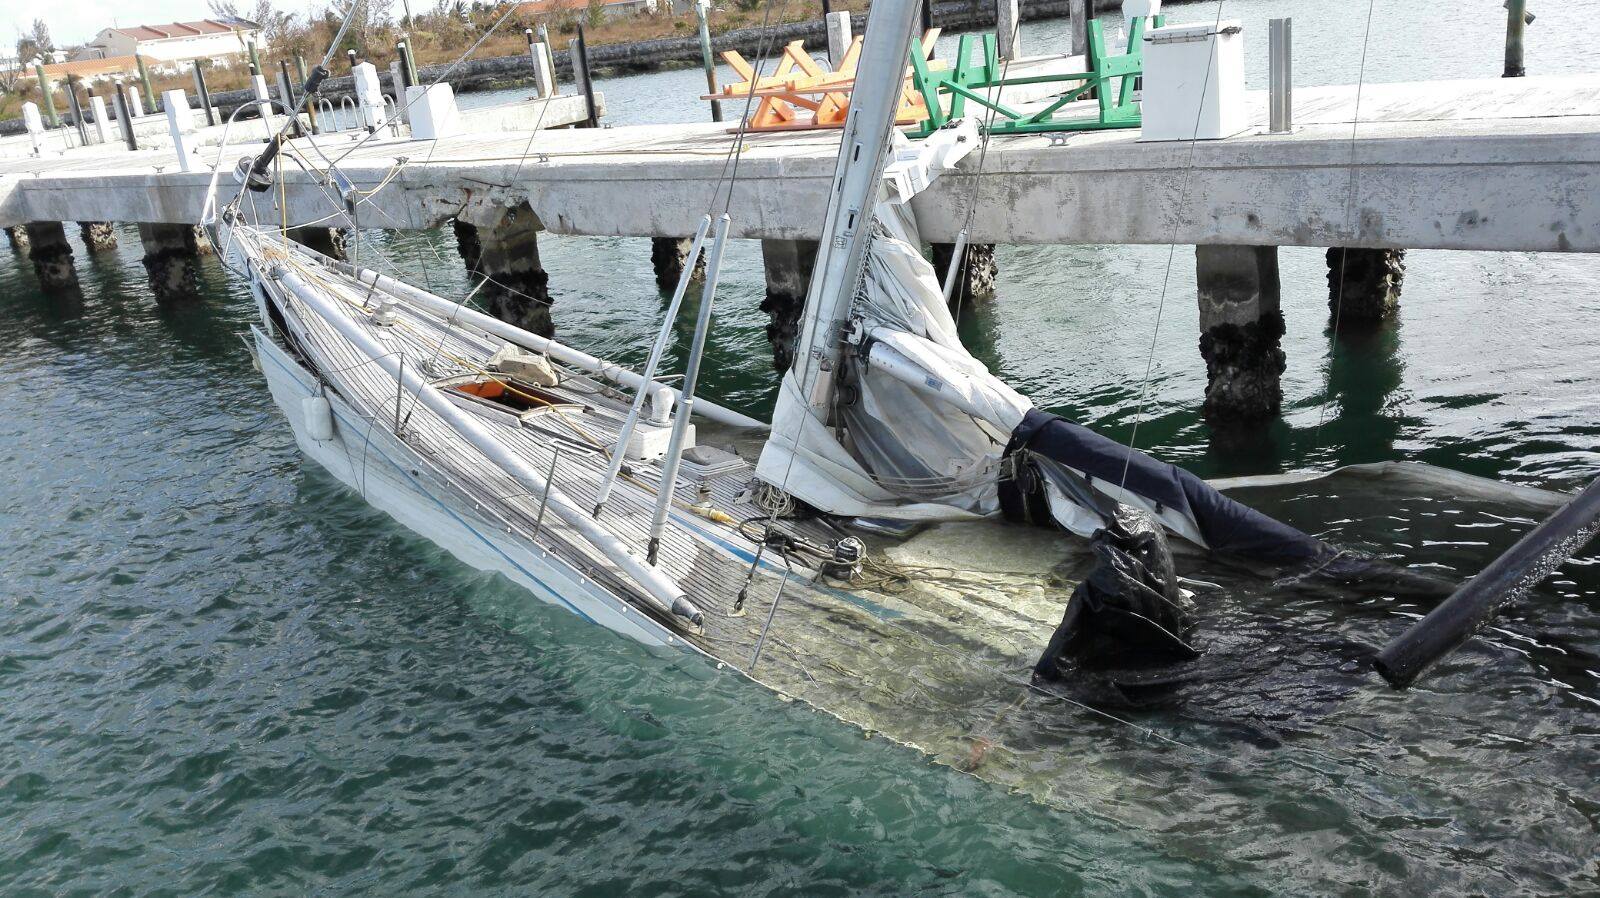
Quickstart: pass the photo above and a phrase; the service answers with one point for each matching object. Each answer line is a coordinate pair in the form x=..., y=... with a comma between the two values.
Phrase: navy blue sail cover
x=1227, y=526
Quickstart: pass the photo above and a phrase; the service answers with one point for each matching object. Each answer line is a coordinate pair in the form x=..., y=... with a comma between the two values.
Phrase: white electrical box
x=1194, y=82
x=649, y=442
x=432, y=112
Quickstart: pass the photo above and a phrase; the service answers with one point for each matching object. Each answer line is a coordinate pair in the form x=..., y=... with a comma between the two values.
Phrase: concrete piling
x=171, y=258
x=788, y=265
x=328, y=241
x=667, y=255
x=1364, y=284
x=977, y=276
x=98, y=237
x=1241, y=326
x=51, y=255
x=17, y=236
x=502, y=246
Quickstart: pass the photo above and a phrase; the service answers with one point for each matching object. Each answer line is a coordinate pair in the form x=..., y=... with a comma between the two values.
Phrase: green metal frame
x=1110, y=77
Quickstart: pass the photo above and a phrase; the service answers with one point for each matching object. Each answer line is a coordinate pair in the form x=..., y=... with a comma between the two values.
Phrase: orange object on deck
x=802, y=94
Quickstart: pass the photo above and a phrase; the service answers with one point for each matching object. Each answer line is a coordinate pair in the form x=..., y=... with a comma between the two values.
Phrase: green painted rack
x=966, y=81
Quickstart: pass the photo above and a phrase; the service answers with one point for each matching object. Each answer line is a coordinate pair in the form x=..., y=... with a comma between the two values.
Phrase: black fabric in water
x=1226, y=525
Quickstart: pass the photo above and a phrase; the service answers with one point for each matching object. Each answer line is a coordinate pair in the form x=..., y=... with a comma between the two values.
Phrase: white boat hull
x=390, y=477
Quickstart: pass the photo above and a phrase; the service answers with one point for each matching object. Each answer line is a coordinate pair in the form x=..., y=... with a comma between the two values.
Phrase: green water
x=222, y=673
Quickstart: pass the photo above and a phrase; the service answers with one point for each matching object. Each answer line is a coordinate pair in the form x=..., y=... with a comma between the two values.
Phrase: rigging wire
x=1349, y=213
x=1172, y=247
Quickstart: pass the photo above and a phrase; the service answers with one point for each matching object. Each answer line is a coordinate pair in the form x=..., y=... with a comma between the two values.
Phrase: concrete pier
x=328, y=241
x=978, y=271
x=501, y=245
x=51, y=255
x=171, y=258
x=1364, y=284
x=788, y=265
x=667, y=255
x=1240, y=329
x=98, y=237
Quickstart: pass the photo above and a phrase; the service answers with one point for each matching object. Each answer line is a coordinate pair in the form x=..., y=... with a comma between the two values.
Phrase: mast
x=868, y=131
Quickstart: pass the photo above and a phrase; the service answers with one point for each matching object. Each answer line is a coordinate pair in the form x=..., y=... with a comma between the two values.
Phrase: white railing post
x=180, y=124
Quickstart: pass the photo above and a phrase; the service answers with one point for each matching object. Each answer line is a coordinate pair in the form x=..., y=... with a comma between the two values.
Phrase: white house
x=215, y=39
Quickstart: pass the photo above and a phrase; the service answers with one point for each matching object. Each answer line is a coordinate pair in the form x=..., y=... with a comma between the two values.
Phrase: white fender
x=318, y=418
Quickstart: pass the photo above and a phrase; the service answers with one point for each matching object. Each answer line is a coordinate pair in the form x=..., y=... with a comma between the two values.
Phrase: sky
x=76, y=21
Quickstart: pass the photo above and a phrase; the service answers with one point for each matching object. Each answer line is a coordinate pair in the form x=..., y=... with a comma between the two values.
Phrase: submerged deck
x=1490, y=164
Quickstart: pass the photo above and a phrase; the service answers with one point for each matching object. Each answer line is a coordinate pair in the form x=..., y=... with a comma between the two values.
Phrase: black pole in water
x=580, y=65
x=1519, y=569
x=927, y=15
x=827, y=9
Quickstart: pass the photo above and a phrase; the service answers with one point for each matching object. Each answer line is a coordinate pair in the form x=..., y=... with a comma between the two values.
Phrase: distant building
x=611, y=9
x=174, y=42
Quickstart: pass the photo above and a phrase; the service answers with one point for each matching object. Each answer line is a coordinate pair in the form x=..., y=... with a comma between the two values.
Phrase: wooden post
x=580, y=67
x=77, y=112
x=124, y=117
x=1078, y=26
x=1516, y=18
x=705, y=57
x=150, y=107
x=311, y=102
x=45, y=91
x=203, y=92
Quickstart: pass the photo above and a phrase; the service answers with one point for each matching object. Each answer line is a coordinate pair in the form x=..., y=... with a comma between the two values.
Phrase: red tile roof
x=175, y=29
x=88, y=68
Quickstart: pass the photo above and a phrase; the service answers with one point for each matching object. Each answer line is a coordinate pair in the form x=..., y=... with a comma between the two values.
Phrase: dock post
x=258, y=83
x=51, y=255
x=544, y=77
x=130, y=93
x=124, y=117
x=77, y=113
x=1007, y=29
x=397, y=78
x=501, y=245
x=102, y=121
x=1280, y=75
x=98, y=237
x=203, y=92
x=550, y=50
x=369, y=96
x=1241, y=326
x=927, y=17
x=580, y=68
x=149, y=92
x=1364, y=284
x=1078, y=14
x=328, y=241
x=35, y=126
x=978, y=272
x=180, y=124
x=667, y=255
x=17, y=236
x=1516, y=18
x=47, y=93
x=838, y=36
x=311, y=104
x=787, y=265
x=171, y=258
x=710, y=65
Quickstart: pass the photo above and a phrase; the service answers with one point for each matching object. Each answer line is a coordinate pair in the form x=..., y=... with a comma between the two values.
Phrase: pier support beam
x=17, y=236
x=502, y=245
x=667, y=255
x=97, y=236
x=1364, y=284
x=788, y=265
x=51, y=255
x=978, y=272
x=1240, y=329
x=171, y=258
x=328, y=241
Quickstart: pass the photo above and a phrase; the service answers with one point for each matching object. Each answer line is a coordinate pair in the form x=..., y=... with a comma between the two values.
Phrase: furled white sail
x=916, y=426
